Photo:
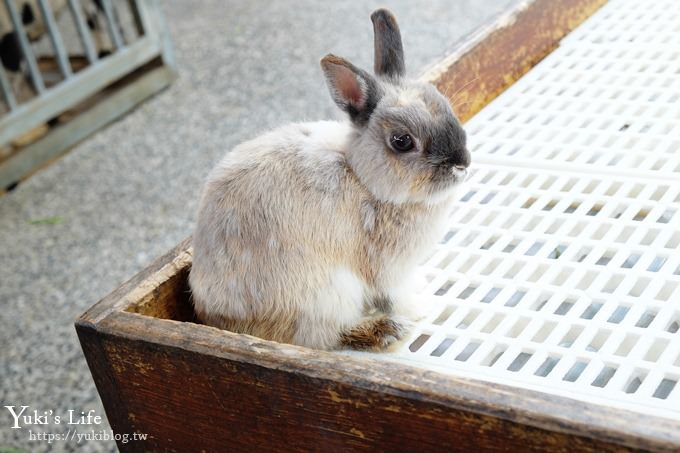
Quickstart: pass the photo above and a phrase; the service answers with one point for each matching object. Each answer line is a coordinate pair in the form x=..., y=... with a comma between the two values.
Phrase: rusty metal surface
x=495, y=58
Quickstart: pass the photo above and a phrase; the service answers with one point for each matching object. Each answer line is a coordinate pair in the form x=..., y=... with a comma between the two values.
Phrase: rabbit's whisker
x=465, y=85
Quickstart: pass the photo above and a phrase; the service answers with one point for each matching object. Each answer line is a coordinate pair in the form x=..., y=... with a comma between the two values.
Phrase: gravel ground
x=129, y=193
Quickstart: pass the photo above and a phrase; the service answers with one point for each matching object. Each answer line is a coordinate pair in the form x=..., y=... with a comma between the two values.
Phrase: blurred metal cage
x=79, y=64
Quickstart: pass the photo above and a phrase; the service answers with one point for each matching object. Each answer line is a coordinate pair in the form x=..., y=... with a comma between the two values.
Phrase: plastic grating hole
x=564, y=307
x=515, y=298
x=650, y=237
x=418, y=342
x=586, y=281
x=547, y=366
x=450, y=234
x=666, y=216
x=516, y=268
x=634, y=384
x=544, y=332
x=494, y=355
x=557, y=252
x=468, y=264
x=540, y=303
x=639, y=287
x=444, y=289
x=656, y=349
x=552, y=229
x=674, y=243
x=603, y=378
x=489, y=243
x=444, y=315
x=673, y=327
x=619, y=314
x=491, y=325
x=468, y=351
x=491, y=295
x=575, y=371
x=626, y=345
x=594, y=210
x=527, y=204
x=591, y=310
x=630, y=261
x=598, y=341
x=664, y=389
x=469, y=318
x=646, y=319
x=518, y=328
x=519, y=361
x=603, y=260
x=536, y=274
x=448, y=259
x=535, y=247
x=656, y=264
x=488, y=198
x=549, y=205
x=613, y=284
x=625, y=234
x=641, y=215
x=601, y=232
x=571, y=208
x=666, y=291
x=468, y=195
x=571, y=336
x=443, y=347
x=467, y=292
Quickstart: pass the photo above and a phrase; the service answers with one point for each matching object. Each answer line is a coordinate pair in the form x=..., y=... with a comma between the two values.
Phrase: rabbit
x=310, y=234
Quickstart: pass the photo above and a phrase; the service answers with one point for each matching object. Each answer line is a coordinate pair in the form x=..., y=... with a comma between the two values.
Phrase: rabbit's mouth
x=460, y=173
x=446, y=176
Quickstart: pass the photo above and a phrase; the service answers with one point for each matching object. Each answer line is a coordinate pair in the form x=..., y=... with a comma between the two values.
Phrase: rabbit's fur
x=309, y=234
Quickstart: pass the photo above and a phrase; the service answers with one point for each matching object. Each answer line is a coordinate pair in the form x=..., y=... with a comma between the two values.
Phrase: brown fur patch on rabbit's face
x=436, y=163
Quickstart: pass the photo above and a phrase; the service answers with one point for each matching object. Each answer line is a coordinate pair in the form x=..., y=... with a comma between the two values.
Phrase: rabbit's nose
x=463, y=160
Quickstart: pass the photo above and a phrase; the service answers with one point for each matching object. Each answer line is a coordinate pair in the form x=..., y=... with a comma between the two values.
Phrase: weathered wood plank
x=299, y=398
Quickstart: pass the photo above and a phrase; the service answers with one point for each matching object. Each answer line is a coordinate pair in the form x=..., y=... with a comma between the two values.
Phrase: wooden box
x=196, y=388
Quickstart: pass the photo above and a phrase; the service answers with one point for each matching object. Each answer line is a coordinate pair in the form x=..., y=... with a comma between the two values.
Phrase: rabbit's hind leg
x=375, y=333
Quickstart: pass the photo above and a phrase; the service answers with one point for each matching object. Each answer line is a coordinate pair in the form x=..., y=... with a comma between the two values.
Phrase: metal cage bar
x=111, y=23
x=55, y=37
x=85, y=38
x=7, y=90
x=25, y=45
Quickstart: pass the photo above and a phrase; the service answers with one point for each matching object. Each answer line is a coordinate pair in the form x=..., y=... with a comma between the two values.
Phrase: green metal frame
x=154, y=45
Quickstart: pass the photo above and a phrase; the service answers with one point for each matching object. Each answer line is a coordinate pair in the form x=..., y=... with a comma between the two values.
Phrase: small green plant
x=55, y=220
x=11, y=450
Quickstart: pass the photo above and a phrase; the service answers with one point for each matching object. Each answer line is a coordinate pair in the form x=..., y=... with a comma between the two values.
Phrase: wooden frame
x=193, y=387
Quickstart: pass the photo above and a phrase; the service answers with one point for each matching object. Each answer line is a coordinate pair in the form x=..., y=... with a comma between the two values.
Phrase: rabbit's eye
x=402, y=143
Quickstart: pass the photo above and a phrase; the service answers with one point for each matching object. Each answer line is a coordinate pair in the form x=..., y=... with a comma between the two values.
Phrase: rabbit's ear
x=389, y=53
x=353, y=90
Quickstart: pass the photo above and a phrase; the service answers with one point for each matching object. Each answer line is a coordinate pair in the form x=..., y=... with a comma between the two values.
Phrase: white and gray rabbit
x=310, y=233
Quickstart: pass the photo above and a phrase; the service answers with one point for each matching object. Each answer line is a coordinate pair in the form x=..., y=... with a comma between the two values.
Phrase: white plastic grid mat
x=561, y=269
